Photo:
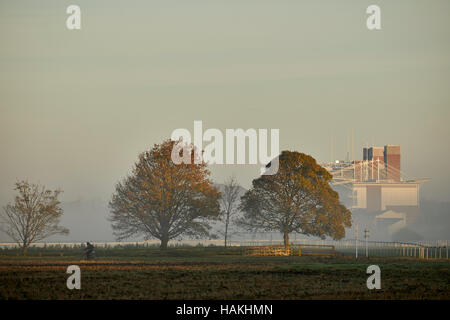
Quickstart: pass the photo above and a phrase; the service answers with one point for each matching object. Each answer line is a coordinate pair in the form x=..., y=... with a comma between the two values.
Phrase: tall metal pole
x=371, y=171
x=378, y=169
x=353, y=146
x=356, y=241
x=366, y=236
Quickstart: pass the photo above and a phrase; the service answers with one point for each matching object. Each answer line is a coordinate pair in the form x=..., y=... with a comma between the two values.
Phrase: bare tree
x=33, y=216
x=229, y=203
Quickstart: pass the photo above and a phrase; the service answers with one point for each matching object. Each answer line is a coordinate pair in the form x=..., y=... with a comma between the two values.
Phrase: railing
x=315, y=250
x=438, y=249
x=267, y=251
x=291, y=250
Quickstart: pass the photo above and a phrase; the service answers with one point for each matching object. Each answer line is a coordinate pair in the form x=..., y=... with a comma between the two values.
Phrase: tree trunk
x=286, y=240
x=164, y=241
x=226, y=231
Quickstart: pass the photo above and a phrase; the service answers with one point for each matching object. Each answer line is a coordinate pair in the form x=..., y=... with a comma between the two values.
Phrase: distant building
x=380, y=199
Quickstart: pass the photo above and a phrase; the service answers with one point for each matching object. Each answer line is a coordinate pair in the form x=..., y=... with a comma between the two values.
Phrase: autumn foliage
x=164, y=200
x=296, y=199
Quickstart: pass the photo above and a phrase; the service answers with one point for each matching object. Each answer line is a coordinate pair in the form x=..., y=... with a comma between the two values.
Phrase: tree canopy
x=164, y=200
x=298, y=198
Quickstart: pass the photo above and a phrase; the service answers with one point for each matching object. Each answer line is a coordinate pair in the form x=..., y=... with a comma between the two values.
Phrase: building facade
x=376, y=192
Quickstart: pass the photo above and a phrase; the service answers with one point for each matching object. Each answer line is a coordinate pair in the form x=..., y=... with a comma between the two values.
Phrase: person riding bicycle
x=89, y=251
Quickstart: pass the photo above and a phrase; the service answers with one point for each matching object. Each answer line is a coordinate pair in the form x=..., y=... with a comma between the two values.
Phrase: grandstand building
x=379, y=195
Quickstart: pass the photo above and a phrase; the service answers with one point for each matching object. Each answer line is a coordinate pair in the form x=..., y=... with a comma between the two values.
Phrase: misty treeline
x=433, y=223
x=163, y=200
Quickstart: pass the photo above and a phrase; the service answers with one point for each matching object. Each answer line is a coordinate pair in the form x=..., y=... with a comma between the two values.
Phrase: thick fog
x=77, y=107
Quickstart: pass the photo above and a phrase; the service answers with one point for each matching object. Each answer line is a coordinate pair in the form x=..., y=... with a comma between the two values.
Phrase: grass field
x=214, y=273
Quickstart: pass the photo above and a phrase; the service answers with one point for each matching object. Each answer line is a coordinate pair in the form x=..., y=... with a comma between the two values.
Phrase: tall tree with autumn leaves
x=298, y=198
x=164, y=200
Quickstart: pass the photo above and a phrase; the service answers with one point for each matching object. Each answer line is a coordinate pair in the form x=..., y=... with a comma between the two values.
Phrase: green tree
x=298, y=198
x=164, y=200
x=33, y=216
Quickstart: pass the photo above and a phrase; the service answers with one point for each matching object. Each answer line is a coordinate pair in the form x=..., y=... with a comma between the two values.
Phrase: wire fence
x=438, y=249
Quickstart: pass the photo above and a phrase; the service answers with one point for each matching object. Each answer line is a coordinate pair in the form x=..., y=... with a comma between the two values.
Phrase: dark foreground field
x=215, y=273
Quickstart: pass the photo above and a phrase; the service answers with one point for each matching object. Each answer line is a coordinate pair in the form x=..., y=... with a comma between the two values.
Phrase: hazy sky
x=76, y=107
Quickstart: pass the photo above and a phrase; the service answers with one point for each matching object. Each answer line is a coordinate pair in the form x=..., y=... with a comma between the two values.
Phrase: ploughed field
x=214, y=273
